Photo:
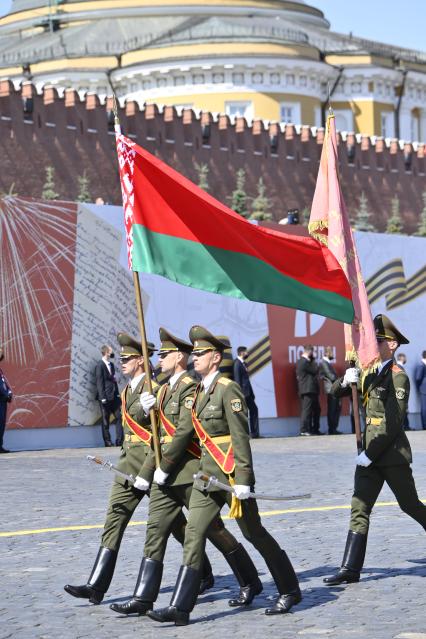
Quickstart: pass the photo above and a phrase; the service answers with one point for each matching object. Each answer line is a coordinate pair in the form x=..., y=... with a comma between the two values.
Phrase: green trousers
x=165, y=505
x=123, y=502
x=204, y=507
x=368, y=484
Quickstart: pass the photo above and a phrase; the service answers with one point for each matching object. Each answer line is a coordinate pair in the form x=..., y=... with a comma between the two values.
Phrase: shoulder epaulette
x=396, y=369
x=188, y=379
x=154, y=384
x=224, y=380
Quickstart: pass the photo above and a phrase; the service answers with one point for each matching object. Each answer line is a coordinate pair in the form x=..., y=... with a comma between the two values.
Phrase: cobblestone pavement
x=59, y=491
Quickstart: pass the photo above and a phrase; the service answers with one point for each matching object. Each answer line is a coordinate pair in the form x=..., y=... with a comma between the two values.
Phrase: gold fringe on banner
x=236, y=511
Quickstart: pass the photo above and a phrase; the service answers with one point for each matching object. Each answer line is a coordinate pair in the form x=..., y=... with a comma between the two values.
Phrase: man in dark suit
x=308, y=384
x=328, y=376
x=420, y=380
x=108, y=396
x=241, y=376
x=5, y=397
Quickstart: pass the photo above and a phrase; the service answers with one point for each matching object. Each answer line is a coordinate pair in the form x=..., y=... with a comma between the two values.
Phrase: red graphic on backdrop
x=37, y=262
x=289, y=330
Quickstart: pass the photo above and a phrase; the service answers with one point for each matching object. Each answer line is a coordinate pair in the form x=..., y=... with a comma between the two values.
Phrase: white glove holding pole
x=160, y=477
x=141, y=483
x=147, y=401
x=241, y=492
x=363, y=460
x=351, y=377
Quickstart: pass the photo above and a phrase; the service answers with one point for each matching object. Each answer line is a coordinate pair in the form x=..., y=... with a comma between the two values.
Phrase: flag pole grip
x=357, y=423
x=152, y=414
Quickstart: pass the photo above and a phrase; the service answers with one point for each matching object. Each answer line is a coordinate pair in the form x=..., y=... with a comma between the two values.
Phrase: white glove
x=241, y=492
x=141, y=483
x=103, y=401
x=147, y=401
x=363, y=460
x=351, y=377
x=160, y=477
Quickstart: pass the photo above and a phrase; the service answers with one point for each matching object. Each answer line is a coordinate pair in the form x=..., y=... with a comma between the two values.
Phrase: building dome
x=268, y=59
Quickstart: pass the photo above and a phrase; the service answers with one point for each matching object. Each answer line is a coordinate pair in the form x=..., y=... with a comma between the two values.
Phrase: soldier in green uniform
x=124, y=498
x=386, y=455
x=172, y=487
x=219, y=416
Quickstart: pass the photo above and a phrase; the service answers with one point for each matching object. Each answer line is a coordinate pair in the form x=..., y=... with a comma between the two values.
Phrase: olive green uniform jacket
x=386, y=399
x=134, y=453
x=180, y=464
x=223, y=411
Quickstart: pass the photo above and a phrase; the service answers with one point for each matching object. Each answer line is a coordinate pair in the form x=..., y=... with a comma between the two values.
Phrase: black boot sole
x=94, y=596
x=329, y=581
x=178, y=617
x=128, y=612
x=235, y=603
x=277, y=610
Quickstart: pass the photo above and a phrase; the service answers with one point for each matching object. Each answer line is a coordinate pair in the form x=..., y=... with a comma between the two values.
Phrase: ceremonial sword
x=206, y=482
x=110, y=466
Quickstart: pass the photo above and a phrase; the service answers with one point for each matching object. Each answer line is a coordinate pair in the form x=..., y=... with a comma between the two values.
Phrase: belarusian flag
x=176, y=230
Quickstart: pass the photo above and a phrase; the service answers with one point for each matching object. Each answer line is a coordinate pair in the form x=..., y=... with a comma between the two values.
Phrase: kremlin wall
x=76, y=137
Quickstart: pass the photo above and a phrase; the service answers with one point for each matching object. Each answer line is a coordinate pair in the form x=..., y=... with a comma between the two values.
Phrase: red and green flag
x=176, y=230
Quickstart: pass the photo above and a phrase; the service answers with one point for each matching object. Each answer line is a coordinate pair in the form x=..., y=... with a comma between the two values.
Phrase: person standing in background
x=108, y=396
x=420, y=381
x=308, y=384
x=241, y=376
x=5, y=398
x=328, y=376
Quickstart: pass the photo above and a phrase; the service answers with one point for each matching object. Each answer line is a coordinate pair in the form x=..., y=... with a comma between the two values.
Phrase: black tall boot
x=353, y=560
x=146, y=589
x=100, y=577
x=207, y=578
x=287, y=583
x=183, y=599
x=246, y=574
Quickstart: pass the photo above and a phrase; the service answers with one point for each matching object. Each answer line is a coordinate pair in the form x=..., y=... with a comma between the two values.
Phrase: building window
x=275, y=78
x=198, y=78
x=289, y=78
x=257, y=78
x=344, y=119
x=218, y=77
x=239, y=109
x=317, y=116
x=290, y=112
x=388, y=125
x=238, y=78
x=415, y=126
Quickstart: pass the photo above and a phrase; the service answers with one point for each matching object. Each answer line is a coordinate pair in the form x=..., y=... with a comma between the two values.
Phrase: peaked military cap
x=203, y=340
x=170, y=342
x=385, y=329
x=130, y=347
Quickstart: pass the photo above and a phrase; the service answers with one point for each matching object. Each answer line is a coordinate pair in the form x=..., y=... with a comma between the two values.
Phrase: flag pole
x=141, y=322
x=355, y=412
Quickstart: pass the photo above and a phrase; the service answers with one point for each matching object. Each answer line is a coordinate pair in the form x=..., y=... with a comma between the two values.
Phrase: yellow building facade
x=276, y=60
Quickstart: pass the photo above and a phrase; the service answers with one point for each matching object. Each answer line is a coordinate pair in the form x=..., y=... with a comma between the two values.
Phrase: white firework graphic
x=37, y=242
